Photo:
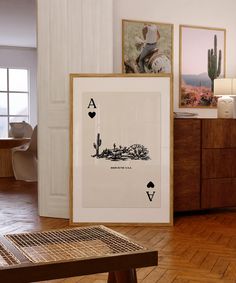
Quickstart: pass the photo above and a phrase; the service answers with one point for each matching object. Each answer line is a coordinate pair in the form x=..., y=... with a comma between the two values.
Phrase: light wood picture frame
x=135, y=43
x=121, y=131
x=202, y=57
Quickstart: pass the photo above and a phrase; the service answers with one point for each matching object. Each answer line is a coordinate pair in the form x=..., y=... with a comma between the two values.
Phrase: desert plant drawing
x=202, y=59
x=147, y=47
x=121, y=153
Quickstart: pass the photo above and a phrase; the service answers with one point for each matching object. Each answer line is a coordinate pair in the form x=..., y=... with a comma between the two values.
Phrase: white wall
x=18, y=23
x=19, y=57
x=208, y=13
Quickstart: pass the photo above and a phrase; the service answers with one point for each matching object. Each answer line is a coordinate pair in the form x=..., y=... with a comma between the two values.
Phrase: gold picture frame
x=87, y=86
x=160, y=59
x=197, y=67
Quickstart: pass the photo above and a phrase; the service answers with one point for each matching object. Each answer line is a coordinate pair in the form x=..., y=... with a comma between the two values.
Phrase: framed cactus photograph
x=202, y=59
x=121, y=149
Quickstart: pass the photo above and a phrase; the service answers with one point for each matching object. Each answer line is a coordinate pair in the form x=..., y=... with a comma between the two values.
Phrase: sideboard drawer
x=204, y=163
x=218, y=133
x=187, y=156
x=218, y=193
x=218, y=163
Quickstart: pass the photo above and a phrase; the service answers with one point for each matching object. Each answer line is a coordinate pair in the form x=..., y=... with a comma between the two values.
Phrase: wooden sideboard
x=204, y=163
x=5, y=154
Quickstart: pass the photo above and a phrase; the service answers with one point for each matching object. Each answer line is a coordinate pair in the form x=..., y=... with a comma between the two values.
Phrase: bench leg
x=123, y=276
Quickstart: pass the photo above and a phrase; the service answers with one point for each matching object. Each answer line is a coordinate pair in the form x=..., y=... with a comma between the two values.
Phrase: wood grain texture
x=123, y=276
x=218, y=133
x=218, y=192
x=218, y=163
x=27, y=272
x=6, y=157
x=5, y=163
x=198, y=248
x=215, y=140
x=10, y=143
x=233, y=133
x=187, y=156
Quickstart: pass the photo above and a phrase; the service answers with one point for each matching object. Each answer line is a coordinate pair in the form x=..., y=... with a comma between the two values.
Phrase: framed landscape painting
x=147, y=47
x=202, y=59
x=121, y=149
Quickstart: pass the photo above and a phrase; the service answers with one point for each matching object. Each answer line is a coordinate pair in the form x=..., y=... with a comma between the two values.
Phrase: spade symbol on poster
x=150, y=185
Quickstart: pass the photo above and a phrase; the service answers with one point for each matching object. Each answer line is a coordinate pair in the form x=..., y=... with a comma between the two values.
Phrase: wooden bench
x=54, y=254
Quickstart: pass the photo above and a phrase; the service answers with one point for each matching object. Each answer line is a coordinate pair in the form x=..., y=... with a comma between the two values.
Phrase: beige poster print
x=121, y=134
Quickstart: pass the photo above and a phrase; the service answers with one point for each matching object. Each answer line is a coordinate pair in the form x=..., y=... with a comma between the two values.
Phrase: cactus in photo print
x=214, y=63
x=97, y=145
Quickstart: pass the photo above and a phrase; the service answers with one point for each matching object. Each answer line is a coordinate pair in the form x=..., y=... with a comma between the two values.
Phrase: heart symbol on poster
x=150, y=185
x=92, y=114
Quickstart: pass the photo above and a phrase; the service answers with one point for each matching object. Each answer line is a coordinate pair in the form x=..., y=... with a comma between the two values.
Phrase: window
x=14, y=98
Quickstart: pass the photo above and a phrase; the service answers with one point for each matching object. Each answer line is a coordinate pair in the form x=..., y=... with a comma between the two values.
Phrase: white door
x=74, y=36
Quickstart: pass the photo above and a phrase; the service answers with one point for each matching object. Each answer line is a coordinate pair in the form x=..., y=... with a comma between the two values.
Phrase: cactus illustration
x=120, y=153
x=97, y=145
x=214, y=65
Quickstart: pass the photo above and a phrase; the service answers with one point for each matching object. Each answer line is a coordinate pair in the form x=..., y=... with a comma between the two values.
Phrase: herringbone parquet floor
x=199, y=248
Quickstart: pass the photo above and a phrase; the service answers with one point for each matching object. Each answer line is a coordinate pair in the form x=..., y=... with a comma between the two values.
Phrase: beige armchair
x=25, y=160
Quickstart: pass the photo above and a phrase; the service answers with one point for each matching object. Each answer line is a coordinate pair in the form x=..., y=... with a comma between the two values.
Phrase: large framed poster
x=121, y=149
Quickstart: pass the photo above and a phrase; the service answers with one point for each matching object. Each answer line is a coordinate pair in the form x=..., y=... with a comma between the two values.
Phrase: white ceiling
x=18, y=23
